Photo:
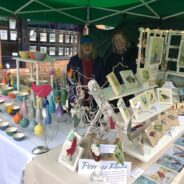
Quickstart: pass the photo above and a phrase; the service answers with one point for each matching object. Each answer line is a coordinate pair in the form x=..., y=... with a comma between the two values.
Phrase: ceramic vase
x=52, y=106
x=48, y=118
x=59, y=111
x=38, y=114
x=32, y=110
x=39, y=129
x=24, y=122
x=24, y=108
x=45, y=102
x=32, y=124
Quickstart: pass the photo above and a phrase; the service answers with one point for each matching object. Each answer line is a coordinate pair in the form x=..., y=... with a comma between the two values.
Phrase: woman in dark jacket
x=86, y=65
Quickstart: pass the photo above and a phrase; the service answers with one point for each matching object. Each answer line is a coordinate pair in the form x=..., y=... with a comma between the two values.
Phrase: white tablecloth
x=15, y=155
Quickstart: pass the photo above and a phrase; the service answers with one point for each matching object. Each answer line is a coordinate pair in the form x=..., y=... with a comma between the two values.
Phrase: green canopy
x=108, y=12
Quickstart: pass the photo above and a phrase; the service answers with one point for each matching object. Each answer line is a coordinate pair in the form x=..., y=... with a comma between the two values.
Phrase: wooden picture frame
x=114, y=83
x=123, y=110
x=129, y=79
x=164, y=95
x=155, y=51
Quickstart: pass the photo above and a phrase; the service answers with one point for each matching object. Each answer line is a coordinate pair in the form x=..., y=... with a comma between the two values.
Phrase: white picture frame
x=67, y=161
x=145, y=101
x=71, y=134
x=12, y=23
x=43, y=49
x=52, y=51
x=180, y=61
x=155, y=51
x=123, y=110
x=144, y=75
x=151, y=97
x=13, y=35
x=164, y=95
x=43, y=37
x=129, y=79
x=52, y=37
x=32, y=36
x=114, y=83
x=4, y=34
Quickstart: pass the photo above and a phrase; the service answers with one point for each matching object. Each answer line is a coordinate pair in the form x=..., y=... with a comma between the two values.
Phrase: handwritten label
x=87, y=166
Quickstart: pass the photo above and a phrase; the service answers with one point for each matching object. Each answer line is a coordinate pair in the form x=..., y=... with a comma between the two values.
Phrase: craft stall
x=99, y=143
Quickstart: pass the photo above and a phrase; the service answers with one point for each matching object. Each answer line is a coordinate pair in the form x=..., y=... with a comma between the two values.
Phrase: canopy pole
x=119, y=12
x=60, y=12
x=49, y=10
x=5, y=9
x=174, y=15
x=23, y=6
x=149, y=8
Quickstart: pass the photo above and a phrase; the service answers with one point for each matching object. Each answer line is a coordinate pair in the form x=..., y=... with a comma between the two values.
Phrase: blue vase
x=52, y=105
x=45, y=102
x=32, y=124
x=48, y=118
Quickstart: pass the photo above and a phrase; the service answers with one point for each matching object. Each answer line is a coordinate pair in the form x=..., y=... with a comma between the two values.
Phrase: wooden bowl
x=11, y=130
x=4, y=125
x=19, y=136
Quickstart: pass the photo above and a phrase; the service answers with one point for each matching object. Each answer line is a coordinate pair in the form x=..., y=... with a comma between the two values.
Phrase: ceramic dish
x=28, y=81
x=5, y=105
x=12, y=94
x=19, y=136
x=2, y=100
x=4, y=125
x=16, y=109
x=6, y=89
x=21, y=95
x=11, y=130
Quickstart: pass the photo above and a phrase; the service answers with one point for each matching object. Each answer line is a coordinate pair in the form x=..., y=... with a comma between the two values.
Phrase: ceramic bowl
x=19, y=136
x=5, y=105
x=11, y=130
x=21, y=95
x=2, y=100
x=12, y=94
x=28, y=81
x=43, y=82
x=6, y=89
x=4, y=125
x=24, y=54
x=31, y=54
x=39, y=56
x=16, y=109
x=2, y=85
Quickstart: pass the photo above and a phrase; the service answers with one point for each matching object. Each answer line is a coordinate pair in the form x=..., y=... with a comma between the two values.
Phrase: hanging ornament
x=47, y=116
x=38, y=114
x=70, y=73
x=32, y=124
x=76, y=121
x=59, y=111
x=39, y=129
x=33, y=98
x=45, y=102
x=52, y=106
x=24, y=108
x=24, y=122
x=32, y=111
x=64, y=95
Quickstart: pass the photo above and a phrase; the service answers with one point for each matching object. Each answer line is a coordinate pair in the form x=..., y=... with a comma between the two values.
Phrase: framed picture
x=180, y=108
x=159, y=127
x=176, y=151
x=123, y=110
x=33, y=48
x=176, y=78
x=52, y=51
x=166, y=124
x=52, y=37
x=173, y=163
x=136, y=105
x=181, y=55
x=4, y=34
x=180, y=142
x=61, y=51
x=155, y=51
x=152, y=134
x=67, y=38
x=32, y=35
x=159, y=78
x=12, y=23
x=152, y=99
x=129, y=79
x=164, y=95
x=13, y=35
x=143, y=179
x=61, y=38
x=43, y=49
x=144, y=75
x=71, y=136
x=145, y=102
x=160, y=174
x=173, y=118
x=113, y=81
x=70, y=161
x=43, y=37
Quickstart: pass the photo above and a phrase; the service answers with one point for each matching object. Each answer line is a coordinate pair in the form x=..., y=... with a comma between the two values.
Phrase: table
x=44, y=169
x=15, y=155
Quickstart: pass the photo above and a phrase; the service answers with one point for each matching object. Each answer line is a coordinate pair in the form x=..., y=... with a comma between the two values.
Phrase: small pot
x=4, y=125
x=19, y=136
x=11, y=130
